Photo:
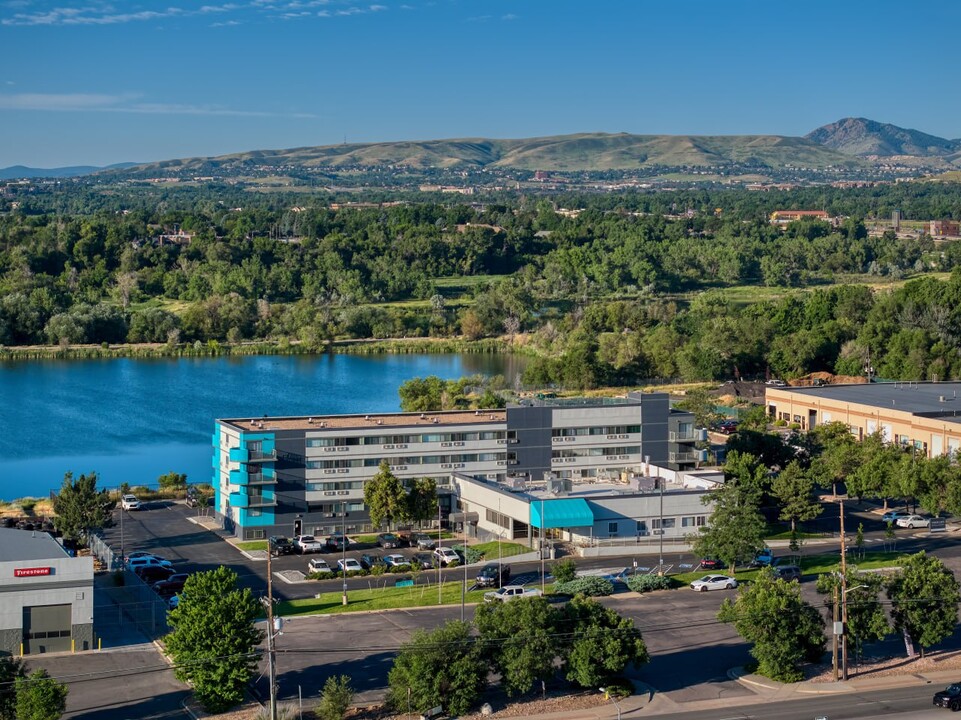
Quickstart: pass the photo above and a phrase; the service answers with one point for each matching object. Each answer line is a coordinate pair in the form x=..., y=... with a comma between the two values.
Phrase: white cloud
x=123, y=103
x=509, y=16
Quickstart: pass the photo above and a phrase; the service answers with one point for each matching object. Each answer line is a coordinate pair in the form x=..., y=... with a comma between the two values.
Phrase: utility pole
x=343, y=544
x=440, y=585
x=834, y=653
x=540, y=544
x=463, y=592
x=271, y=668
x=844, y=600
x=660, y=530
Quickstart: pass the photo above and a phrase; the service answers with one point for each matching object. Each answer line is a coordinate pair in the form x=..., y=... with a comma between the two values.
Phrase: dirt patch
x=873, y=667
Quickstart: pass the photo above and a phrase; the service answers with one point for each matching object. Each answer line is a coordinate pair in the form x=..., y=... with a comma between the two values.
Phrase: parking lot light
x=611, y=698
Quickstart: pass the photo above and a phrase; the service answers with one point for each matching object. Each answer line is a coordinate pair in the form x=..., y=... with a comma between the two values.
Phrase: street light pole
x=540, y=537
x=463, y=593
x=271, y=669
x=343, y=544
x=611, y=698
x=844, y=600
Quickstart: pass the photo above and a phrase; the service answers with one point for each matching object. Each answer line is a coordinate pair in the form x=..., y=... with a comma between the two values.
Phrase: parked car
x=913, y=521
x=714, y=582
x=511, y=592
x=446, y=556
x=195, y=498
x=308, y=544
x=711, y=564
x=348, y=565
x=892, y=516
x=788, y=572
x=368, y=561
x=493, y=575
x=774, y=382
x=317, y=565
x=171, y=586
x=138, y=554
x=173, y=602
x=764, y=558
x=153, y=573
x=337, y=542
x=147, y=561
x=424, y=541
x=279, y=545
x=727, y=426
x=396, y=561
x=425, y=561
x=130, y=502
x=388, y=541
x=950, y=697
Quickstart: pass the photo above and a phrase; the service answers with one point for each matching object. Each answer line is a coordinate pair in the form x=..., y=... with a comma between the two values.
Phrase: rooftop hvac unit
x=558, y=486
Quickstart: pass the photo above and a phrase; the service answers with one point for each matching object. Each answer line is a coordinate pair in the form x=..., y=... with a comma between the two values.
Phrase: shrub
x=647, y=583
x=378, y=570
x=336, y=698
x=322, y=575
x=619, y=687
x=587, y=586
x=564, y=571
x=471, y=555
x=27, y=505
x=780, y=423
x=285, y=711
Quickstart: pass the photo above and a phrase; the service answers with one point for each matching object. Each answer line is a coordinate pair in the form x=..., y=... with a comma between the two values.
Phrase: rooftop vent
x=310, y=421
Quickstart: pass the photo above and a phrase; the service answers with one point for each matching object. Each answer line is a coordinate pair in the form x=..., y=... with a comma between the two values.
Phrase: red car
x=711, y=564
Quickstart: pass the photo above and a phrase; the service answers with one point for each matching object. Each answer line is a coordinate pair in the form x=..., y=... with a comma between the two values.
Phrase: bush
x=27, y=505
x=619, y=687
x=172, y=480
x=323, y=575
x=780, y=423
x=336, y=698
x=564, y=571
x=587, y=586
x=647, y=583
x=471, y=556
x=285, y=711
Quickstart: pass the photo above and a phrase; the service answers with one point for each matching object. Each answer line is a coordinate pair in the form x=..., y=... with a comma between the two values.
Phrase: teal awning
x=565, y=513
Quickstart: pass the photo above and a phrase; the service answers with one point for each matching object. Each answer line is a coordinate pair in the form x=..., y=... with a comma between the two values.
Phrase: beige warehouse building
x=922, y=415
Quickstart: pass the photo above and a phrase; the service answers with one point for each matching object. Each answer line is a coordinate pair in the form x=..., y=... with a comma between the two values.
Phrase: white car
x=308, y=544
x=445, y=556
x=396, y=561
x=317, y=565
x=130, y=502
x=349, y=565
x=714, y=582
x=913, y=521
x=148, y=561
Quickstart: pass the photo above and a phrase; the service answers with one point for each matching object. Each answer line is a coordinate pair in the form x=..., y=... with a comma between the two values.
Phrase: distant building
x=896, y=220
x=944, y=228
x=541, y=175
x=782, y=217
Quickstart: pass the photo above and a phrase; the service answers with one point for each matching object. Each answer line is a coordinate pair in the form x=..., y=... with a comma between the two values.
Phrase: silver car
x=913, y=521
x=714, y=582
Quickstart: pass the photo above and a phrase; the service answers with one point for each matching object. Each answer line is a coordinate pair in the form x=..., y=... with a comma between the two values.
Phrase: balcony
x=241, y=500
x=684, y=436
x=243, y=455
x=681, y=457
x=242, y=477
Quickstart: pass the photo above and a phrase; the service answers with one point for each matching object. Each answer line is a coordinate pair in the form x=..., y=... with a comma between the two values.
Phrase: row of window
x=595, y=452
x=409, y=460
x=331, y=486
x=407, y=439
x=689, y=522
x=610, y=430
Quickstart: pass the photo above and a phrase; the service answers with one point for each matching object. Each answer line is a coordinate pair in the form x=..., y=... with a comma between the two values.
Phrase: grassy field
x=507, y=549
x=252, y=545
x=814, y=565
x=379, y=597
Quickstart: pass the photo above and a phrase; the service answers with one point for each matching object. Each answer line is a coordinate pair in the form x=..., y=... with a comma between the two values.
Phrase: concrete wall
x=70, y=583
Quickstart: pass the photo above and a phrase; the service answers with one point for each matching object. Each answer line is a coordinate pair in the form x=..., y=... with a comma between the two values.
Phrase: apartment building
x=923, y=415
x=287, y=475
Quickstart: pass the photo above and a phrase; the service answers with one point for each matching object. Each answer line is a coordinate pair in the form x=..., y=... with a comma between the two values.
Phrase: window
x=612, y=529
x=665, y=524
x=642, y=527
x=255, y=534
x=693, y=521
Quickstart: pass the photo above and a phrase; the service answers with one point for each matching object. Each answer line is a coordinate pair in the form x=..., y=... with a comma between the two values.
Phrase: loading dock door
x=46, y=628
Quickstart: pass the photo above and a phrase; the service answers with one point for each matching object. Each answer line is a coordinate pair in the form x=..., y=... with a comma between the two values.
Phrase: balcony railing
x=681, y=457
x=255, y=456
x=684, y=436
x=241, y=500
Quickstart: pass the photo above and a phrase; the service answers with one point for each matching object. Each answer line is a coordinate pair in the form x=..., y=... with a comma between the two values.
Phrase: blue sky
x=97, y=82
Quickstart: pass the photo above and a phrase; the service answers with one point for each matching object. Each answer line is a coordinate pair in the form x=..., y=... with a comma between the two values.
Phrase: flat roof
x=920, y=398
x=27, y=545
x=371, y=421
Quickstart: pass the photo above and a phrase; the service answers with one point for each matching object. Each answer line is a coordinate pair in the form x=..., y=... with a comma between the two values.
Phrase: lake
x=131, y=420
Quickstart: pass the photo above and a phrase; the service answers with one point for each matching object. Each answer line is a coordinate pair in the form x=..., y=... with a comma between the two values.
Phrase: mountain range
x=15, y=172
x=848, y=143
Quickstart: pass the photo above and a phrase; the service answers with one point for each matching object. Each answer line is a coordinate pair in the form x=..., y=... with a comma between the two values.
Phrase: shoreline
x=213, y=348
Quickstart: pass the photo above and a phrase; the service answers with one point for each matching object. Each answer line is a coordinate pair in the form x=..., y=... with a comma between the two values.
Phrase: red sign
x=31, y=572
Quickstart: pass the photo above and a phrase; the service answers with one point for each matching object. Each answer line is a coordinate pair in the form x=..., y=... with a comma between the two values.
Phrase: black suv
x=280, y=545
x=488, y=575
x=388, y=541
x=950, y=697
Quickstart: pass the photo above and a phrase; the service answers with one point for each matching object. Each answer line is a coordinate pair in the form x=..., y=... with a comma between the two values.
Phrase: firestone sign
x=31, y=572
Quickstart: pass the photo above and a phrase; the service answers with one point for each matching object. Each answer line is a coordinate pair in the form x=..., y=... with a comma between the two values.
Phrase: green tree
x=794, y=490
x=81, y=508
x=421, y=504
x=866, y=618
x=735, y=532
x=335, y=699
x=172, y=480
x=784, y=630
x=422, y=394
x=602, y=643
x=214, y=640
x=10, y=669
x=924, y=600
x=442, y=667
x=700, y=402
x=384, y=496
x=520, y=640
x=40, y=697
x=564, y=570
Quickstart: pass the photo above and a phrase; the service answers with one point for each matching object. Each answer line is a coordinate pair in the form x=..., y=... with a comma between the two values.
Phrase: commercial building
x=923, y=415
x=782, y=217
x=46, y=596
x=286, y=475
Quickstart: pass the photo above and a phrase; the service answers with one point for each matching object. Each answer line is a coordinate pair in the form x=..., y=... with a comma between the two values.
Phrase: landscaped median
x=380, y=598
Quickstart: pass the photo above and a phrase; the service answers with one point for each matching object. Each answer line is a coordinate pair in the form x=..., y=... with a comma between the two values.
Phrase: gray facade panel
x=533, y=447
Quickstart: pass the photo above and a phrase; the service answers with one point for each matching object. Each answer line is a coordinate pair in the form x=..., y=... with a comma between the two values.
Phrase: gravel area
x=889, y=666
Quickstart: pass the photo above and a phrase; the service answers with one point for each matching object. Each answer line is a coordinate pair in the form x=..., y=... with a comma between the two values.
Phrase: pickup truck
x=511, y=592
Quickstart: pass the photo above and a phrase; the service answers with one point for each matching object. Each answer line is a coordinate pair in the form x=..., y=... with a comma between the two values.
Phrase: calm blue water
x=132, y=420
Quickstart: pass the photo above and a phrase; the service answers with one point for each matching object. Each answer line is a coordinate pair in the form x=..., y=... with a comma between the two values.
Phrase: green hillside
x=582, y=152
